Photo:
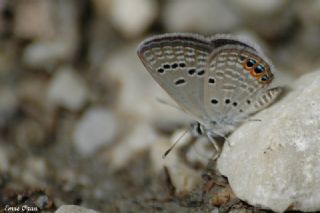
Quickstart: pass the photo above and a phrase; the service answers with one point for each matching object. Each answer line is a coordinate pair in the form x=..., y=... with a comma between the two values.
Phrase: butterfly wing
x=178, y=62
x=221, y=79
x=242, y=76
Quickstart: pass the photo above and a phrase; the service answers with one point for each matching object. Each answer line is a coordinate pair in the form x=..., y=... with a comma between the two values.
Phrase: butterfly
x=218, y=80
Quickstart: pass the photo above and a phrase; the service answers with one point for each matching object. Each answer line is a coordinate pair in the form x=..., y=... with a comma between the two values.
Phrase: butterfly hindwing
x=242, y=77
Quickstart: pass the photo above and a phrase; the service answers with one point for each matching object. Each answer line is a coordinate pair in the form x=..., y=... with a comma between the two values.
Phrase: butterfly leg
x=216, y=147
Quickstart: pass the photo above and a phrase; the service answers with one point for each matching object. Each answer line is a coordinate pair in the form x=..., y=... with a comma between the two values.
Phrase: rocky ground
x=81, y=129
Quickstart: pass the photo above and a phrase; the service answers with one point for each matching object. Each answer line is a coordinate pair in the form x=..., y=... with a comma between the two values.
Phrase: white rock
x=139, y=138
x=183, y=177
x=34, y=172
x=133, y=17
x=74, y=209
x=159, y=148
x=275, y=163
x=45, y=54
x=204, y=16
x=67, y=89
x=201, y=151
x=258, y=7
x=96, y=128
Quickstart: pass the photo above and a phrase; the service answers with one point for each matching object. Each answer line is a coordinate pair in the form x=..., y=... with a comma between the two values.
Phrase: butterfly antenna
x=175, y=143
x=257, y=119
x=162, y=101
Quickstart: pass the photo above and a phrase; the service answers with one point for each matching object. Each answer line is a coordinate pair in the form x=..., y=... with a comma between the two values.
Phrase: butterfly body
x=220, y=80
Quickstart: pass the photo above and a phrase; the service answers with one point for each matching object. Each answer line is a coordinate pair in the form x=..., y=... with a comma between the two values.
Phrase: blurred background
x=79, y=118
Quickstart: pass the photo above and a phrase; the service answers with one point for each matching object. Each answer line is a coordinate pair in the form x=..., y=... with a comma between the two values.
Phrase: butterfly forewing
x=178, y=63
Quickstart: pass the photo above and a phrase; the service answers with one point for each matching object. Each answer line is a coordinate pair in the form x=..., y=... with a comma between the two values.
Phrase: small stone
x=160, y=147
x=200, y=153
x=275, y=162
x=74, y=209
x=133, y=17
x=47, y=54
x=67, y=89
x=42, y=201
x=204, y=16
x=34, y=172
x=139, y=138
x=183, y=177
x=223, y=196
x=97, y=127
x=258, y=7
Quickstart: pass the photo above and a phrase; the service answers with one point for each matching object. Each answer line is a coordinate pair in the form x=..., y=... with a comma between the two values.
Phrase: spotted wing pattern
x=242, y=76
x=218, y=79
x=177, y=62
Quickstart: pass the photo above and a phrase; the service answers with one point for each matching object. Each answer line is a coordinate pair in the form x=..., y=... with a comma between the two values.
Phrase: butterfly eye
x=250, y=62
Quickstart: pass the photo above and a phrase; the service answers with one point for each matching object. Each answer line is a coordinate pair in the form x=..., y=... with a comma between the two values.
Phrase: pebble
x=133, y=17
x=274, y=163
x=97, y=127
x=74, y=209
x=47, y=54
x=138, y=139
x=200, y=152
x=258, y=7
x=204, y=16
x=183, y=177
x=51, y=51
x=34, y=172
x=67, y=89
